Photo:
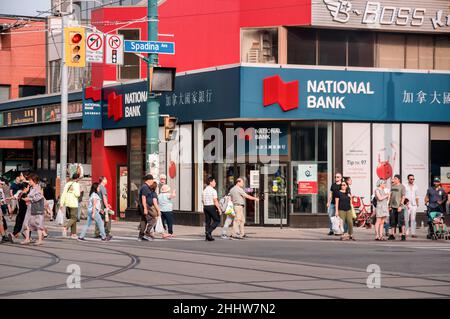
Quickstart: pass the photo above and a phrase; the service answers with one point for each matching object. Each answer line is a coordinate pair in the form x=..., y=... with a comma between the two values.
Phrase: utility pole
x=64, y=106
x=152, y=138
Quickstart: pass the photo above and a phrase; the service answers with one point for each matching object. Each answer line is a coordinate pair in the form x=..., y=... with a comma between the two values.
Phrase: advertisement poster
x=123, y=171
x=254, y=179
x=356, y=157
x=415, y=144
x=385, y=152
x=445, y=178
x=307, y=179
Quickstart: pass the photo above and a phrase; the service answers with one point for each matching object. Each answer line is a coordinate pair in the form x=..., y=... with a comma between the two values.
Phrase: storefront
x=286, y=130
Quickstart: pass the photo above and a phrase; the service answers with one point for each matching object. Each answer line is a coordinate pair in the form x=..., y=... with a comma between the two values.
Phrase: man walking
x=412, y=194
x=211, y=208
x=103, y=194
x=147, y=199
x=238, y=196
x=332, y=195
x=396, y=215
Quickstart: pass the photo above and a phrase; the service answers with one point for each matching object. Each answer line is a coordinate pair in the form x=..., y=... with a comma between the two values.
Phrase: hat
x=162, y=176
x=436, y=179
x=165, y=189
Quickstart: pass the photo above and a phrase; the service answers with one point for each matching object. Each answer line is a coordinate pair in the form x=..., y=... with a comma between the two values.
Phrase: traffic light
x=170, y=123
x=75, y=46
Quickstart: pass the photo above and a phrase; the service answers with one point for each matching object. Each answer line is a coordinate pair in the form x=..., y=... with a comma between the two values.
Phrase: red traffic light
x=76, y=38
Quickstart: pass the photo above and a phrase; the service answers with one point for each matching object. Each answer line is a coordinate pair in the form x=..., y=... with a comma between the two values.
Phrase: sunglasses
x=338, y=177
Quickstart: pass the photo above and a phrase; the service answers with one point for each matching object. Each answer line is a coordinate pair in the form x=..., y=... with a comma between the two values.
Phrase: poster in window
x=356, y=157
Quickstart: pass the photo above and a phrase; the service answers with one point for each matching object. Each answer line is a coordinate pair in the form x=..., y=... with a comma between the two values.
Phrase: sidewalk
x=121, y=228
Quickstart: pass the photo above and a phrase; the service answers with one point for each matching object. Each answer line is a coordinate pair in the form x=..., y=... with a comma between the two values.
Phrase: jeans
x=211, y=215
x=331, y=212
x=167, y=217
x=226, y=225
x=410, y=216
x=98, y=221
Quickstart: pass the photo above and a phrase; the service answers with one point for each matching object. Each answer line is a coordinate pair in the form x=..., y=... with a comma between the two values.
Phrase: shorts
x=36, y=222
x=396, y=218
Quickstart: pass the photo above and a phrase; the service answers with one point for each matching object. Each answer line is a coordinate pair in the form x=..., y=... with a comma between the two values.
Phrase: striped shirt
x=209, y=193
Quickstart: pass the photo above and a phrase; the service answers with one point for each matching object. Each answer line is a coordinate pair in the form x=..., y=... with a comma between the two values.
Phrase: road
x=189, y=267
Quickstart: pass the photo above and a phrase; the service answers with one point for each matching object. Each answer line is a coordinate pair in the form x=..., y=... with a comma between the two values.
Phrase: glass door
x=274, y=194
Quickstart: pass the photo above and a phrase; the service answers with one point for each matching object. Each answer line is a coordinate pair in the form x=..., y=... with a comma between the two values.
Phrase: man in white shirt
x=211, y=208
x=412, y=194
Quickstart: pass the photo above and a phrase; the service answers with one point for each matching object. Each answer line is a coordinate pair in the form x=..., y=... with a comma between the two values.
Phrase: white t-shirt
x=209, y=193
x=412, y=192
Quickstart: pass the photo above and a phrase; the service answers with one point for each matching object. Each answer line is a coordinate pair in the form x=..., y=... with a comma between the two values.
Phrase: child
x=230, y=213
x=406, y=214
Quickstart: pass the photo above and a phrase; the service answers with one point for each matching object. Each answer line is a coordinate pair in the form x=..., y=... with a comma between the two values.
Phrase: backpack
x=223, y=203
x=374, y=201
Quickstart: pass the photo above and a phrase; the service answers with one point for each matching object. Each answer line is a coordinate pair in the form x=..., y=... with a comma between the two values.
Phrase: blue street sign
x=149, y=47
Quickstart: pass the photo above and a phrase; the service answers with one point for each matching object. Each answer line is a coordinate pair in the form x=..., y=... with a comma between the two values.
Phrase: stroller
x=437, y=229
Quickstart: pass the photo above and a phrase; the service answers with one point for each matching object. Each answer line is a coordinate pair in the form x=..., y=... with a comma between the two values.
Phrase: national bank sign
x=404, y=15
x=344, y=95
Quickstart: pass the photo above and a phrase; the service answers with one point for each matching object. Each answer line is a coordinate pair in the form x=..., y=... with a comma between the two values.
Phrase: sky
x=24, y=7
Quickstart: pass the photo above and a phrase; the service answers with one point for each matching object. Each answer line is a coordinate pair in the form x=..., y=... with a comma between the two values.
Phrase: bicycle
x=363, y=215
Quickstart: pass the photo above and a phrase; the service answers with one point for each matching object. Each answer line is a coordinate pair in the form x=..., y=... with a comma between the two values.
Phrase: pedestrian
x=148, y=206
x=7, y=191
x=166, y=206
x=106, y=207
x=49, y=195
x=238, y=197
x=382, y=210
x=162, y=182
x=3, y=214
x=23, y=189
x=15, y=188
x=34, y=220
x=396, y=201
x=344, y=210
x=435, y=197
x=93, y=214
x=211, y=208
x=332, y=195
x=349, y=182
x=412, y=195
x=69, y=199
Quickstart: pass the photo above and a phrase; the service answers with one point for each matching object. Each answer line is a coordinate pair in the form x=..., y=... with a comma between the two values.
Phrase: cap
x=436, y=179
x=165, y=189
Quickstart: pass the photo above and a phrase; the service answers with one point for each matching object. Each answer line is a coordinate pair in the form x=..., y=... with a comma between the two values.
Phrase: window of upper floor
x=259, y=45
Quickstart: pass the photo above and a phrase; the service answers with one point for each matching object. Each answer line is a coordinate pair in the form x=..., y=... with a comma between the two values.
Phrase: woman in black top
x=344, y=210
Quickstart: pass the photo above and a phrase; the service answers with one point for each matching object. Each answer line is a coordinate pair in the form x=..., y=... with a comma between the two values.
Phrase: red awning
x=16, y=144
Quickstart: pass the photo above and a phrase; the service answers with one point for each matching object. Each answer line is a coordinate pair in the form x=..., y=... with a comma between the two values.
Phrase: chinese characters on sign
x=189, y=98
x=422, y=97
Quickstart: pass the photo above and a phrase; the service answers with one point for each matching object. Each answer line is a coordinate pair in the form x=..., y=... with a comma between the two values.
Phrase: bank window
x=131, y=62
x=45, y=153
x=302, y=46
x=136, y=164
x=88, y=149
x=71, y=148
x=332, y=48
x=361, y=49
x=259, y=46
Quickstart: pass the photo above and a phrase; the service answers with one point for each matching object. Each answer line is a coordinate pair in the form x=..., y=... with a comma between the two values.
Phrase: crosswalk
x=132, y=238
x=440, y=246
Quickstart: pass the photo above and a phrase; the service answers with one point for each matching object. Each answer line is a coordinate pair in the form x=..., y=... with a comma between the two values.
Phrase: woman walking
x=69, y=199
x=34, y=219
x=382, y=211
x=94, y=209
x=344, y=210
x=166, y=207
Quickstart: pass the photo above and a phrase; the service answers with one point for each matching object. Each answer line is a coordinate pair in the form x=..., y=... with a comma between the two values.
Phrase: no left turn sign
x=94, y=47
x=94, y=41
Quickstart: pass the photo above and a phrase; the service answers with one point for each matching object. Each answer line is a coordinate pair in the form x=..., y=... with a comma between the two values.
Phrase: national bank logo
x=275, y=91
x=115, y=106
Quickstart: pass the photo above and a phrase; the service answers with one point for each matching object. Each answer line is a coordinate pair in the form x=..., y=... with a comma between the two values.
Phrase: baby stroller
x=437, y=229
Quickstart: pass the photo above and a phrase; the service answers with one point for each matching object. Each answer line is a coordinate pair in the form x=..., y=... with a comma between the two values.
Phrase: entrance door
x=274, y=194
x=122, y=197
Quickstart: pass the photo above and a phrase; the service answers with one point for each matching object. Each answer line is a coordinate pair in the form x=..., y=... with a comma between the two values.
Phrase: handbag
x=159, y=227
x=37, y=208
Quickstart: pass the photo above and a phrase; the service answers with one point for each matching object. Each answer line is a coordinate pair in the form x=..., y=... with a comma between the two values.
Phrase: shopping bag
x=159, y=227
x=230, y=209
x=337, y=225
x=59, y=217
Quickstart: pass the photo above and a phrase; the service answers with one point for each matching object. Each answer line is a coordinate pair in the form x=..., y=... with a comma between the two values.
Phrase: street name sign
x=149, y=47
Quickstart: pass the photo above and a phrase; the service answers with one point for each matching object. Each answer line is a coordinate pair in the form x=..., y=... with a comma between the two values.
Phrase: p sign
x=94, y=47
x=114, y=49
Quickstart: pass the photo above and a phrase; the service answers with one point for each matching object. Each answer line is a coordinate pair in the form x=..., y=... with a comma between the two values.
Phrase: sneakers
x=74, y=236
x=224, y=237
x=81, y=239
x=107, y=238
x=403, y=237
x=331, y=233
x=391, y=237
x=147, y=238
x=414, y=236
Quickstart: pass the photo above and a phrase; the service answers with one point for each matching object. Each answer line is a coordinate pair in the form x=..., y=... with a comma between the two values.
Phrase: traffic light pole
x=152, y=138
x=64, y=108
